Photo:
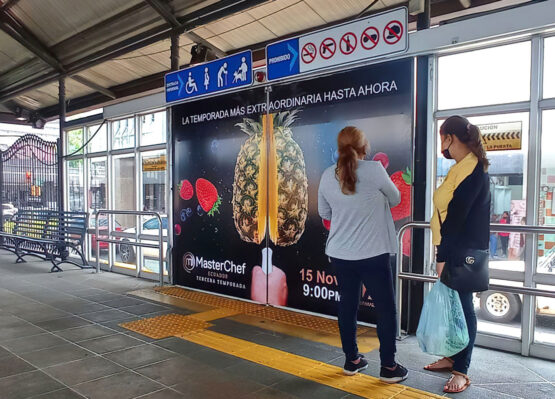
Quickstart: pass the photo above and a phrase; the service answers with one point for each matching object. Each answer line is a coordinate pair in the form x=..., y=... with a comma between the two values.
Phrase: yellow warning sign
x=502, y=136
x=154, y=163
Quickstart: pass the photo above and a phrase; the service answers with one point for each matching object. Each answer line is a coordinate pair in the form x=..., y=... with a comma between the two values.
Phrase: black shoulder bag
x=466, y=270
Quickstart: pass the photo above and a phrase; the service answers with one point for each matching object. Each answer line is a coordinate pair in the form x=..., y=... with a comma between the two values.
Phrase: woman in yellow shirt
x=461, y=221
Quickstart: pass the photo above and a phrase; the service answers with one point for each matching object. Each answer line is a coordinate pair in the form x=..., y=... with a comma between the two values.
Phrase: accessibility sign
x=378, y=36
x=501, y=136
x=220, y=75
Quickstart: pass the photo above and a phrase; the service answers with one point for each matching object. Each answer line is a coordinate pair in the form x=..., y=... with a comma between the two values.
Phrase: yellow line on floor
x=311, y=328
x=322, y=373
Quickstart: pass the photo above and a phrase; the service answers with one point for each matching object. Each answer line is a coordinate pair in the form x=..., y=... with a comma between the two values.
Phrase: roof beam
x=94, y=86
x=13, y=27
x=165, y=12
x=8, y=4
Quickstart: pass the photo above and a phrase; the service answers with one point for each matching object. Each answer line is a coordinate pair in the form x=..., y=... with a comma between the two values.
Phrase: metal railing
x=136, y=243
x=494, y=227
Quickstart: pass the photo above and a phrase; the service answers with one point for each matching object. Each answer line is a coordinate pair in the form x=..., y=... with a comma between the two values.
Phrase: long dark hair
x=468, y=134
x=351, y=143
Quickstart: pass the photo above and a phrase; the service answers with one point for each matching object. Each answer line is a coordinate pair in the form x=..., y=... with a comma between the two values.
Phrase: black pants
x=504, y=244
x=377, y=277
x=462, y=359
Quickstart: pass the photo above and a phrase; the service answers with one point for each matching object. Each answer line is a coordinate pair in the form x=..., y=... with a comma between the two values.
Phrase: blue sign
x=282, y=59
x=223, y=74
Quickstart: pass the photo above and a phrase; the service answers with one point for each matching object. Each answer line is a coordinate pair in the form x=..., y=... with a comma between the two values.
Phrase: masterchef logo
x=191, y=261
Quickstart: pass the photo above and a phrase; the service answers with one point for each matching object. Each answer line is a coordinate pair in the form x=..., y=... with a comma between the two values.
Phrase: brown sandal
x=430, y=367
x=461, y=389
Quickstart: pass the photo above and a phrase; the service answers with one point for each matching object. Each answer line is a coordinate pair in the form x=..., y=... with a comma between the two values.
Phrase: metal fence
x=28, y=177
x=509, y=228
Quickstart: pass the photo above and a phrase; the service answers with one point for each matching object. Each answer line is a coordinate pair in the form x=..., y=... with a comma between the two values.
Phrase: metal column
x=174, y=50
x=62, y=104
x=415, y=290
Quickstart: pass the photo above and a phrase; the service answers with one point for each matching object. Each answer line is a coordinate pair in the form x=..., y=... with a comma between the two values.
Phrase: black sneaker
x=351, y=369
x=393, y=376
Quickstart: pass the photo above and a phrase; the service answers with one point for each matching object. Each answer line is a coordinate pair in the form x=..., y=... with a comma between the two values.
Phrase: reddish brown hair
x=351, y=143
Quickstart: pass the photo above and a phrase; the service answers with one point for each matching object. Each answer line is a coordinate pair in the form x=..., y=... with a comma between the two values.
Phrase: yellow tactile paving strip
x=319, y=324
x=322, y=373
x=166, y=326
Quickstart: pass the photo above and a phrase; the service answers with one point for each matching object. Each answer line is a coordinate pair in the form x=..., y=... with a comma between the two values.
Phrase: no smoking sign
x=309, y=52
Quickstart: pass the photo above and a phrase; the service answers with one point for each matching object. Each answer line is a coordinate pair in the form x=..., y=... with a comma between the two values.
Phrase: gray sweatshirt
x=361, y=223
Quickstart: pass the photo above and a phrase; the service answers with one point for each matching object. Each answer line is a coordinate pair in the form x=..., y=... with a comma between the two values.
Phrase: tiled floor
x=59, y=338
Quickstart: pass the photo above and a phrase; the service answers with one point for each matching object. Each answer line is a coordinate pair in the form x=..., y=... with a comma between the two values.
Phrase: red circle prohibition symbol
x=348, y=43
x=327, y=48
x=370, y=38
x=393, y=32
x=308, y=53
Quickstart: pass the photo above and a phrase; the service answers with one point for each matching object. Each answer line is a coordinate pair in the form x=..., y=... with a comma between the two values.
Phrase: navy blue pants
x=462, y=359
x=376, y=275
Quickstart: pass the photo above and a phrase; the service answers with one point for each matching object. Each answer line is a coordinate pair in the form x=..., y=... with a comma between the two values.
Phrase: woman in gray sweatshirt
x=356, y=196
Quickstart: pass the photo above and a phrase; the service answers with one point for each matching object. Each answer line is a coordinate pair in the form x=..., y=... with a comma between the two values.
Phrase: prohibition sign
x=370, y=38
x=308, y=53
x=327, y=48
x=348, y=43
x=393, y=32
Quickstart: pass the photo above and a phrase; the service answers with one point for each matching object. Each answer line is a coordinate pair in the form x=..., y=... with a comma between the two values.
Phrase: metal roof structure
x=114, y=49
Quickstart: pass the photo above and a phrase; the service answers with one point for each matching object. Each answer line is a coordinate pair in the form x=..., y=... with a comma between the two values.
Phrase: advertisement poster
x=246, y=176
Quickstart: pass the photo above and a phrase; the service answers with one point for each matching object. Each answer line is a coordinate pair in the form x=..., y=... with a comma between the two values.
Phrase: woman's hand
x=439, y=268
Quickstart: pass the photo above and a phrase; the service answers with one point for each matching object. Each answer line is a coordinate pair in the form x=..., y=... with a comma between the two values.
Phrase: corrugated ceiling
x=70, y=29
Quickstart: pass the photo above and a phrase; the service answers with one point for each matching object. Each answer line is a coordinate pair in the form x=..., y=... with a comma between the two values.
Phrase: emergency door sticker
x=348, y=43
x=309, y=53
x=328, y=48
x=370, y=38
x=393, y=32
x=501, y=136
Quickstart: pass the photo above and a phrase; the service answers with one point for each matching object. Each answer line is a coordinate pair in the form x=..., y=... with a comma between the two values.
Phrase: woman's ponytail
x=476, y=146
x=351, y=143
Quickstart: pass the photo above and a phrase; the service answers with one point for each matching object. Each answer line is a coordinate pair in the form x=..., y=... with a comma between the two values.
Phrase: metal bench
x=49, y=235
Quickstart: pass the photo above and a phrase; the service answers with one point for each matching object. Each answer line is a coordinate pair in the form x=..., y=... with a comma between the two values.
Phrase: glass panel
x=74, y=142
x=124, y=199
x=495, y=75
x=499, y=312
x=76, y=180
x=153, y=128
x=549, y=68
x=123, y=133
x=99, y=141
x=545, y=317
x=97, y=185
x=546, y=217
x=154, y=166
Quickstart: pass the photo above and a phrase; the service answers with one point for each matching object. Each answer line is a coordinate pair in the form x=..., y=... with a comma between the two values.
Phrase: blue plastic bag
x=442, y=327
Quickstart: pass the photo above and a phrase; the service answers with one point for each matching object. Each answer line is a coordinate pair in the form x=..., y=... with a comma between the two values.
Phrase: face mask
x=446, y=152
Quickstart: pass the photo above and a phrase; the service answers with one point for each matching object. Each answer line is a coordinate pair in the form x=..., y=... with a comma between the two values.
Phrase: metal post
x=62, y=105
x=2, y=189
x=161, y=250
x=96, y=223
x=174, y=50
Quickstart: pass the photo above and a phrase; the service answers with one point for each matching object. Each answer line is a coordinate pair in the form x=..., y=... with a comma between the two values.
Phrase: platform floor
x=60, y=337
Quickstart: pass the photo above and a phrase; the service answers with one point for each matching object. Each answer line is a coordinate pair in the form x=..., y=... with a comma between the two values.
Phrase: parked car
x=504, y=307
x=102, y=229
x=151, y=226
x=8, y=211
